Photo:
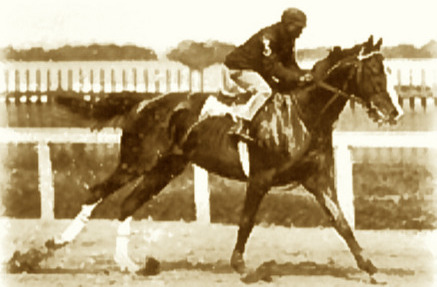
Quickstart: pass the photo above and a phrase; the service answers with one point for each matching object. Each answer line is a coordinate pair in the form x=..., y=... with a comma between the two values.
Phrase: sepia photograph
x=218, y=143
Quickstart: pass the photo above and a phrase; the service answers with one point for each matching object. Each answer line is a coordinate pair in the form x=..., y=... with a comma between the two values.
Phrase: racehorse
x=291, y=142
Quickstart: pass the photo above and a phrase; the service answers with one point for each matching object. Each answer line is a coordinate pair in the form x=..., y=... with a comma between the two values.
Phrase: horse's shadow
x=263, y=272
x=306, y=268
x=266, y=270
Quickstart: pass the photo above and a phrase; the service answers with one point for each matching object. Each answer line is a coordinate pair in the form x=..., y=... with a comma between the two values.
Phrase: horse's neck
x=314, y=103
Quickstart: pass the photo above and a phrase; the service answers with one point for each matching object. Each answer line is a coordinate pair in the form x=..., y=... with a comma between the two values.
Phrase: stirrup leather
x=241, y=129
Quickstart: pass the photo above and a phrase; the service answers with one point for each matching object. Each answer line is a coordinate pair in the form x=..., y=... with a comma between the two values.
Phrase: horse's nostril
x=394, y=114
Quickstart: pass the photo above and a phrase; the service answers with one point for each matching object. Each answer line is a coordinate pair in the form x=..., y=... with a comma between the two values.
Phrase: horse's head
x=371, y=85
x=363, y=67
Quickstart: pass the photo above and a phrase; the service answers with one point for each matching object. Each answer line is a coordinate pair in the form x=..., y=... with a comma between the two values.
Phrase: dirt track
x=198, y=255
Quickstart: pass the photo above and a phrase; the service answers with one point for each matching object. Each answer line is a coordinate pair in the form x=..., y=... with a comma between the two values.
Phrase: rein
x=340, y=92
x=337, y=92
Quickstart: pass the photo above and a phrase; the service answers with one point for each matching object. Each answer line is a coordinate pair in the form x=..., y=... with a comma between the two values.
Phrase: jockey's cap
x=294, y=16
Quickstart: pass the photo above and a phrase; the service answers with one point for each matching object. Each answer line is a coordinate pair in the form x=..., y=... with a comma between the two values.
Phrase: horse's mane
x=336, y=54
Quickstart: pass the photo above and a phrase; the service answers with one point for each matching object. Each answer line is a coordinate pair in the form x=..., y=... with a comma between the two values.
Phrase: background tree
x=94, y=52
x=405, y=51
x=199, y=55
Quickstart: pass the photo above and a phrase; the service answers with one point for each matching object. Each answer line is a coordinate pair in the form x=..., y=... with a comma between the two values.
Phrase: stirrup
x=241, y=130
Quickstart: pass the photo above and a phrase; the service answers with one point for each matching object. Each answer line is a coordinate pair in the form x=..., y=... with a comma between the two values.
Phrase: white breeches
x=239, y=81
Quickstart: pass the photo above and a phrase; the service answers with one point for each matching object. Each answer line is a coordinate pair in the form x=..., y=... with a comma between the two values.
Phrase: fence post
x=49, y=83
x=27, y=89
x=201, y=195
x=92, y=81
x=113, y=84
x=81, y=76
x=168, y=80
x=124, y=81
x=17, y=80
x=179, y=81
x=410, y=89
x=59, y=80
x=146, y=80
x=157, y=82
x=38, y=81
x=202, y=84
x=134, y=76
x=224, y=79
x=423, y=92
x=102, y=80
x=190, y=80
x=7, y=81
x=344, y=182
x=399, y=84
x=46, y=182
x=70, y=80
x=429, y=104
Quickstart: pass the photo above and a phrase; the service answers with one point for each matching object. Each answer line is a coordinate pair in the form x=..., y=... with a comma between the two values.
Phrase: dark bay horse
x=292, y=143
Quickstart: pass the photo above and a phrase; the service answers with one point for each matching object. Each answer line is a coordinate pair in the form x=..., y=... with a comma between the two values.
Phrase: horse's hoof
x=52, y=245
x=152, y=267
x=368, y=266
x=237, y=262
x=260, y=274
x=251, y=276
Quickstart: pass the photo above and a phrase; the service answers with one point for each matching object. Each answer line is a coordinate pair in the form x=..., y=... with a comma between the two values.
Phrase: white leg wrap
x=77, y=224
x=244, y=157
x=121, y=256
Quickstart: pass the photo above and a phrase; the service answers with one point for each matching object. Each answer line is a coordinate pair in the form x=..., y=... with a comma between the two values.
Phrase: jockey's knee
x=264, y=90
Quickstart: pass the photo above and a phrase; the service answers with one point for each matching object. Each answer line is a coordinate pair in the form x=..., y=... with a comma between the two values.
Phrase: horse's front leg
x=258, y=185
x=322, y=186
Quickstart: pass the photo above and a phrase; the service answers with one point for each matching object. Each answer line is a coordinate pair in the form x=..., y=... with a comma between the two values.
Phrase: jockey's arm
x=291, y=75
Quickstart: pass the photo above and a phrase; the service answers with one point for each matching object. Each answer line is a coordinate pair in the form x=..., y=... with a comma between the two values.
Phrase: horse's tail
x=105, y=107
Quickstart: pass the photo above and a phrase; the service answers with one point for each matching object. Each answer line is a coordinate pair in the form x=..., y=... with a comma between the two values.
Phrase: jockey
x=264, y=62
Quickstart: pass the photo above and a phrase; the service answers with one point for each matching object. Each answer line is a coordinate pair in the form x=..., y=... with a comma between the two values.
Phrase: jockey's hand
x=307, y=77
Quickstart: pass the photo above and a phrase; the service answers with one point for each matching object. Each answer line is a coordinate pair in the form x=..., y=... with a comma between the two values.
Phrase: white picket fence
x=163, y=76
x=106, y=76
x=342, y=141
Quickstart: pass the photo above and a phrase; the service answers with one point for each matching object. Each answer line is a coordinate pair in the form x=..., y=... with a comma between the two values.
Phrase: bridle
x=358, y=63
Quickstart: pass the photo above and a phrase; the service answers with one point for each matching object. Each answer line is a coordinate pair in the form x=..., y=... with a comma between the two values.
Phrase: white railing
x=43, y=136
x=342, y=141
x=345, y=141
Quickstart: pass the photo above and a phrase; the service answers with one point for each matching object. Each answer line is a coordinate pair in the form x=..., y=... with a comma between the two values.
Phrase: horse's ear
x=367, y=47
x=378, y=44
x=369, y=44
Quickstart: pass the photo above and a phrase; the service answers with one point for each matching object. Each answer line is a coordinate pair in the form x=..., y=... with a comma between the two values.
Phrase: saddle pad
x=279, y=127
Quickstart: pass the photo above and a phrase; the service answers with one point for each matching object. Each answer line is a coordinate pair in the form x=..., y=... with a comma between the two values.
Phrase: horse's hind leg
x=121, y=176
x=151, y=184
x=322, y=186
